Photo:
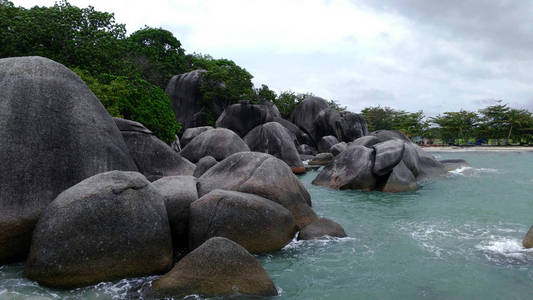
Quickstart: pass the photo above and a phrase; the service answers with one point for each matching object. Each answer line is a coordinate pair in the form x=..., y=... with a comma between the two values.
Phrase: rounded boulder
x=54, y=133
x=218, y=143
x=219, y=267
x=109, y=226
x=256, y=223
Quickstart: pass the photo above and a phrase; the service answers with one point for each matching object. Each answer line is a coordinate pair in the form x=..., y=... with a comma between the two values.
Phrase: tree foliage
x=378, y=118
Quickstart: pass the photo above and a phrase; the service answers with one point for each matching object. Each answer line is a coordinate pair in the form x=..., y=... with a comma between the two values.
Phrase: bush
x=135, y=99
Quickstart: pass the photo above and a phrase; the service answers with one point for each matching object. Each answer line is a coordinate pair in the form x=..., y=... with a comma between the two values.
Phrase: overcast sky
x=431, y=55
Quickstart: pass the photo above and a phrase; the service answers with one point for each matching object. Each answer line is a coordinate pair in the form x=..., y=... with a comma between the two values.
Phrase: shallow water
x=458, y=237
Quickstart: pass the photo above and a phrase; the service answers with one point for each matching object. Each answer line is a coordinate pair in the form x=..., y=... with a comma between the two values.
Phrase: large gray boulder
x=243, y=117
x=300, y=137
x=219, y=267
x=256, y=223
x=218, y=143
x=186, y=97
x=305, y=113
x=204, y=164
x=54, y=133
x=326, y=142
x=352, y=169
x=386, y=160
x=190, y=133
x=263, y=175
x=388, y=155
x=344, y=125
x=528, y=239
x=321, y=228
x=109, y=226
x=178, y=193
x=401, y=179
x=321, y=159
x=274, y=139
x=153, y=157
x=338, y=148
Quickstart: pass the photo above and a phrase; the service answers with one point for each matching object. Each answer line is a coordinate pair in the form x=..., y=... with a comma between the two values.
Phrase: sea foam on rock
x=109, y=226
x=54, y=133
x=219, y=267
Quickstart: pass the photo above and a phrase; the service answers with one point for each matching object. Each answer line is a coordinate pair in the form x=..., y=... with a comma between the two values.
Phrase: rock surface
x=109, y=226
x=218, y=143
x=263, y=175
x=153, y=157
x=300, y=137
x=321, y=159
x=219, y=267
x=204, y=164
x=528, y=239
x=344, y=125
x=54, y=133
x=258, y=224
x=352, y=169
x=305, y=113
x=243, y=117
x=185, y=95
x=178, y=193
x=190, y=133
x=274, y=139
x=305, y=149
x=326, y=142
x=388, y=155
x=401, y=179
x=321, y=228
x=338, y=148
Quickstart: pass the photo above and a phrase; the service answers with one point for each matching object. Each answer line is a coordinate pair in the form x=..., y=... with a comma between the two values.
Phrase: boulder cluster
x=88, y=198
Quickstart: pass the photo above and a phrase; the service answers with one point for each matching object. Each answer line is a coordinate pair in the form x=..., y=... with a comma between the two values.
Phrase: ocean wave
x=505, y=250
x=470, y=171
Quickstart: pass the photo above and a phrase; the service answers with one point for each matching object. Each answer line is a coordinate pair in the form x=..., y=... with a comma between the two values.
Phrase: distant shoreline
x=479, y=148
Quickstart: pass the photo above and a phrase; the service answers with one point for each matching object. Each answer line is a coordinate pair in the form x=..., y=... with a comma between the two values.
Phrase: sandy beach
x=479, y=148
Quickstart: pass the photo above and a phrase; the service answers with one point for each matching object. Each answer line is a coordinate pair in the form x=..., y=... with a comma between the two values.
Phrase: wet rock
x=109, y=226
x=326, y=142
x=274, y=139
x=204, y=164
x=263, y=175
x=190, y=133
x=258, y=224
x=388, y=155
x=321, y=159
x=54, y=133
x=218, y=143
x=243, y=117
x=219, y=267
x=321, y=228
x=352, y=169
x=400, y=180
x=338, y=148
x=178, y=193
x=454, y=164
x=385, y=135
x=153, y=157
x=528, y=239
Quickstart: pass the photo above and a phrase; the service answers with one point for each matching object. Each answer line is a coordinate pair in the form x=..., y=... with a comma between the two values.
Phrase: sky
x=430, y=55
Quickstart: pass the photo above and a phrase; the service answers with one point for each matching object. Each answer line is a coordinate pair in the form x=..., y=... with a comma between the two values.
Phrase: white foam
x=508, y=247
x=464, y=171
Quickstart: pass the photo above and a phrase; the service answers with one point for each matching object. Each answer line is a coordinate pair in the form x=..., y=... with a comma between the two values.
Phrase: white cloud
x=412, y=56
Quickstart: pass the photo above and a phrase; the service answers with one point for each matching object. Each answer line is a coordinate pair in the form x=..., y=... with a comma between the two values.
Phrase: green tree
x=156, y=54
x=386, y=118
x=495, y=119
x=264, y=93
x=135, y=99
x=457, y=125
x=286, y=102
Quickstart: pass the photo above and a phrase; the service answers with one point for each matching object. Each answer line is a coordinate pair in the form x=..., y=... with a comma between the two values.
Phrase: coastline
x=479, y=148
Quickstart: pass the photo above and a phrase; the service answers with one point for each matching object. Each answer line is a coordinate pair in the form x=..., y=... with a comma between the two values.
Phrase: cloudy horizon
x=434, y=56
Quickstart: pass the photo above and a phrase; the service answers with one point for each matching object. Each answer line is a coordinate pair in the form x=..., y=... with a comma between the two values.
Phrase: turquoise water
x=454, y=238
